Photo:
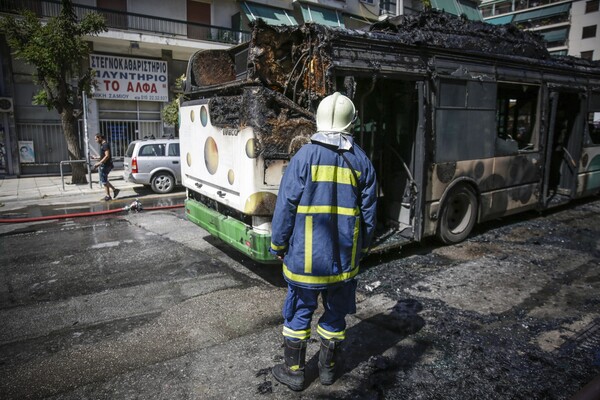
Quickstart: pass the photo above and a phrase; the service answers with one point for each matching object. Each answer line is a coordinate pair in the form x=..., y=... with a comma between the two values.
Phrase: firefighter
x=323, y=223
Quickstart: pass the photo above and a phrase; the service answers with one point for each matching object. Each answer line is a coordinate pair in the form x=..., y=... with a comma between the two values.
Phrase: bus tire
x=458, y=215
x=162, y=182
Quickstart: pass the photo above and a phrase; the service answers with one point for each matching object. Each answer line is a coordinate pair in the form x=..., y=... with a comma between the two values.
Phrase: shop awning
x=458, y=7
x=271, y=15
x=543, y=12
x=448, y=6
x=469, y=8
x=323, y=16
x=505, y=19
x=555, y=35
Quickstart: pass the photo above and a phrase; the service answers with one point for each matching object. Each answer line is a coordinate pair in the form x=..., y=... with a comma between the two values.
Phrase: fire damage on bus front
x=455, y=116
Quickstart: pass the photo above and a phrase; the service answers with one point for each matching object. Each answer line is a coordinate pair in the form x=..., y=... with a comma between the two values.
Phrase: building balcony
x=132, y=22
x=495, y=8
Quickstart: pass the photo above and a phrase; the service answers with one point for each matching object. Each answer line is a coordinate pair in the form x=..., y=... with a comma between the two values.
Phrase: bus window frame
x=589, y=139
x=533, y=143
x=445, y=115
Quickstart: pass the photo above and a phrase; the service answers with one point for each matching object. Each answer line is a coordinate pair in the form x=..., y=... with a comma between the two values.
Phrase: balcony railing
x=133, y=22
x=491, y=10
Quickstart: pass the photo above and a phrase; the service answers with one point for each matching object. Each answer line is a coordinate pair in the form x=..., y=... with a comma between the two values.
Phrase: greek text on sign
x=124, y=78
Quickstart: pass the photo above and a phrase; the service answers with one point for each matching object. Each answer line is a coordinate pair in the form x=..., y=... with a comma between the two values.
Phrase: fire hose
x=135, y=206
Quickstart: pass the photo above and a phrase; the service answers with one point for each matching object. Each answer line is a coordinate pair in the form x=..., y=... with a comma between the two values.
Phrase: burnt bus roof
x=274, y=82
x=279, y=57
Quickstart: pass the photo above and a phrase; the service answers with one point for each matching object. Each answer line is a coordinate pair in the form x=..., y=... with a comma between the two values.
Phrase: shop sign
x=125, y=78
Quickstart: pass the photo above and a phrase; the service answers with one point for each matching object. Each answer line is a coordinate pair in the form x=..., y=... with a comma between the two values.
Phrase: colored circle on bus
x=251, y=148
x=188, y=159
x=211, y=155
x=192, y=115
x=231, y=176
x=203, y=115
x=585, y=159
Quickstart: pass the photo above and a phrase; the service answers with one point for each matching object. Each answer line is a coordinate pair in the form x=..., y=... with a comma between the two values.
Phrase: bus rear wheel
x=458, y=215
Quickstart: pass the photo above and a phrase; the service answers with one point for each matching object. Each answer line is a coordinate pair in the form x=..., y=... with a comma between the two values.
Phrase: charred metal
x=298, y=63
x=450, y=112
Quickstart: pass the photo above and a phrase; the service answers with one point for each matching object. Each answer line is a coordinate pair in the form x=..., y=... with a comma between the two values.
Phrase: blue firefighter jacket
x=324, y=220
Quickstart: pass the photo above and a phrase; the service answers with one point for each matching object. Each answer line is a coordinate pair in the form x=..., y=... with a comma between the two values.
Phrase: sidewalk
x=48, y=190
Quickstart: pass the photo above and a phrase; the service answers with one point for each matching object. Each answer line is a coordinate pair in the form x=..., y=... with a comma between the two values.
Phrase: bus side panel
x=588, y=178
x=505, y=185
x=503, y=202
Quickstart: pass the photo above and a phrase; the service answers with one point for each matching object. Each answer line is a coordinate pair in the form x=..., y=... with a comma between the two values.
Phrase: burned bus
x=463, y=121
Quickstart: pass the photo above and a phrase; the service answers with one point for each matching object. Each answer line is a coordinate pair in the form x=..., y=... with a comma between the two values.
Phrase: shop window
x=588, y=32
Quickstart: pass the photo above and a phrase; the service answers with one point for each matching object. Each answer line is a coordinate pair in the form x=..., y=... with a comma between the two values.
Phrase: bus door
x=392, y=114
x=564, y=145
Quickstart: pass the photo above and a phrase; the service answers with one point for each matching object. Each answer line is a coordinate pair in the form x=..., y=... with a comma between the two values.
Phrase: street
x=147, y=305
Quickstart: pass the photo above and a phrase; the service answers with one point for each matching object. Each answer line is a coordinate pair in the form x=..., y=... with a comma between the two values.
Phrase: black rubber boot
x=327, y=360
x=291, y=372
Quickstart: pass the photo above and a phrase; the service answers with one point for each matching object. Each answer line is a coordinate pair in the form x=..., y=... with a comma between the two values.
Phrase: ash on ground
x=511, y=313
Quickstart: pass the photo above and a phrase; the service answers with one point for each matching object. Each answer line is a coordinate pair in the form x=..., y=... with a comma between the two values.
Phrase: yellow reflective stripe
x=333, y=173
x=275, y=247
x=302, y=335
x=295, y=367
x=327, y=210
x=308, y=239
x=325, y=334
x=355, y=242
x=315, y=280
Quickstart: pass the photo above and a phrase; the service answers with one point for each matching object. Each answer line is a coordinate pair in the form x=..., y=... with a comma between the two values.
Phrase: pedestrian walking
x=104, y=166
x=323, y=223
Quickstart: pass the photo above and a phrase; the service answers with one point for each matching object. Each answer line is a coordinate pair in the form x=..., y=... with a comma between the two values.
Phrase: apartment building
x=159, y=36
x=567, y=27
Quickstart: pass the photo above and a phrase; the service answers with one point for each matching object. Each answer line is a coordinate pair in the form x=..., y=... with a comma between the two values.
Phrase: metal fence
x=48, y=143
x=49, y=147
x=120, y=133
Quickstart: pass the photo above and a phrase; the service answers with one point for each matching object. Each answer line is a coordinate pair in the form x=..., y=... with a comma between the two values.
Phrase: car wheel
x=163, y=182
x=458, y=215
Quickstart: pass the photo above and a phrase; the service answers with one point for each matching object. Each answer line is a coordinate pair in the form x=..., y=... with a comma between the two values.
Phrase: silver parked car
x=154, y=163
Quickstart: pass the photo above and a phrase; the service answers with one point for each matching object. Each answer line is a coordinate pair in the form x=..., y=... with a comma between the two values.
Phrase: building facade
x=568, y=27
x=139, y=58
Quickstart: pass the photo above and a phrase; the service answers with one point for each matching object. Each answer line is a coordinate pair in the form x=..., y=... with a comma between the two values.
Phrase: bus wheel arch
x=458, y=213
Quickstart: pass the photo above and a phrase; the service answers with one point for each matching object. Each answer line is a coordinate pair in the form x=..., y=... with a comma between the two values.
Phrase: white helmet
x=335, y=113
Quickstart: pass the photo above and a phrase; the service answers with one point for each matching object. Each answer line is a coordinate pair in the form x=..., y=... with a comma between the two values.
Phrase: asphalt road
x=149, y=306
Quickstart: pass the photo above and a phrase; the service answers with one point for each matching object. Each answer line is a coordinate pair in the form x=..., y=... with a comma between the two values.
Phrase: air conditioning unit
x=6, y=105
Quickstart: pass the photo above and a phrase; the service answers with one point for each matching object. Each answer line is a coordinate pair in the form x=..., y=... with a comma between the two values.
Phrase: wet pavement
x=148, y=305
x=511, y=313
x=44, y=196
